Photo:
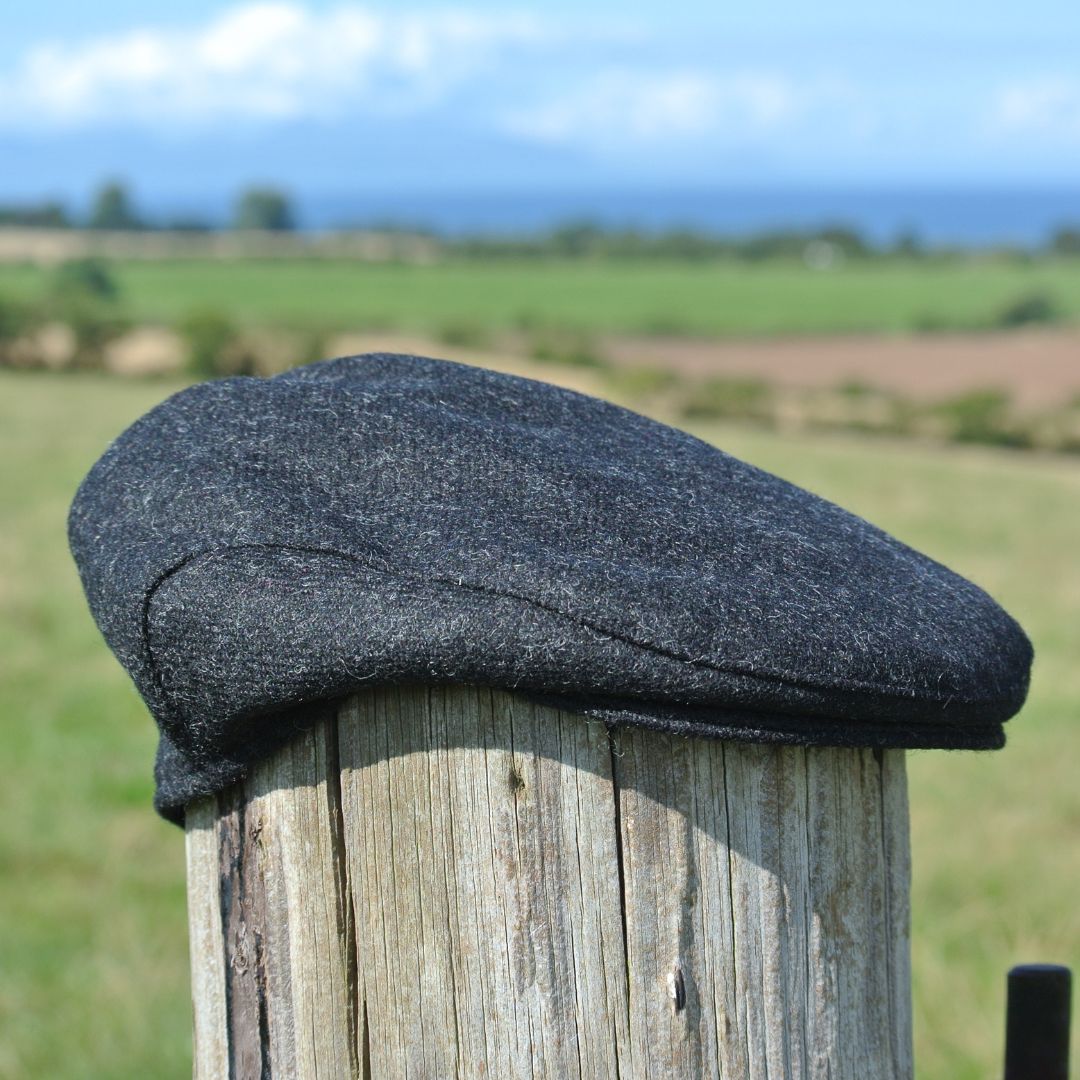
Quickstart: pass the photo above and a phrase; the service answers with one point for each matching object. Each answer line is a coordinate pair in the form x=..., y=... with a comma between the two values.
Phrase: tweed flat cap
x=252, y=546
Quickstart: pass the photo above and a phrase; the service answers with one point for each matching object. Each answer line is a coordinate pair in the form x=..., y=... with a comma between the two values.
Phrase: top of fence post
x=617, y=786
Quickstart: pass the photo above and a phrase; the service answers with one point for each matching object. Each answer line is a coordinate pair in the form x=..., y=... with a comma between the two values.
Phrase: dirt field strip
x=1037, y=368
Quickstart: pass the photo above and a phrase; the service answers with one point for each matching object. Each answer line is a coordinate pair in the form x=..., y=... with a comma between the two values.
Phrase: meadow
x=93, y=963
x=593, y=296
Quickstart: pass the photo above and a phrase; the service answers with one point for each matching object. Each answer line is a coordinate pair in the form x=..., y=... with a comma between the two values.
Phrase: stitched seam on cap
x=802, y=682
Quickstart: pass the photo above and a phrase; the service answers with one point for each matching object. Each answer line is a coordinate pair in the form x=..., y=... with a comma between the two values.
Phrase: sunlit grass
x=775, y=297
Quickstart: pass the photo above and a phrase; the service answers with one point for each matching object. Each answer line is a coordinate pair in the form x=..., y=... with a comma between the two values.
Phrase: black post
x=1037, y=1023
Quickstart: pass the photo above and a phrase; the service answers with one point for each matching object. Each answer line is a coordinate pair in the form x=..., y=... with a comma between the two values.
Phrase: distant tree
x=48, y=215
x=908, y=244
x=1066, y=241
x=112, y=208
x=83, y=296
x=576, y=238
x=774, y=244
x=685, y=244
x=264, y=208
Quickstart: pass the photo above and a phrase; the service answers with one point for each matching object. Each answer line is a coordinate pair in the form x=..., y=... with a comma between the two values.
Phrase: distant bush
x=312, y=347
x=685, y=244
x=464, y=334
x=83, y=279
x=214, y=346
x=83, y=295
x=48, y=215
x=730, y=398
x=908, y=245
x=839, y=241
x=93, y=326
x=642, y=383
x=16, y=319
x=1066, y=241
x=585, y=239
x=856, y=389
x=1030, y=308
x=13, y=318
x=930, y=322
x=574, y=351
x=903, y=416
x=576, y=238
x=856, y=405
x=981, y=416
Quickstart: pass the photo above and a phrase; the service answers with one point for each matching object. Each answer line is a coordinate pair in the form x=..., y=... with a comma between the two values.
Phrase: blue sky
x=192, y=100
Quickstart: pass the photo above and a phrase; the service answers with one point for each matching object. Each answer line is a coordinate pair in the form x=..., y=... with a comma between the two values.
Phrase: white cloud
x=625, y=107
x=271, y=60
x=1046, y=107
x=580, y=83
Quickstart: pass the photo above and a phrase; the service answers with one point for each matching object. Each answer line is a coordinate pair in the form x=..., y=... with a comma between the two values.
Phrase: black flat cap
x=251, y=546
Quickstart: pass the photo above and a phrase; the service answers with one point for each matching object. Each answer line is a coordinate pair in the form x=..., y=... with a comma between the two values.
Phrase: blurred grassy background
x=93, y=965
x=652, y=296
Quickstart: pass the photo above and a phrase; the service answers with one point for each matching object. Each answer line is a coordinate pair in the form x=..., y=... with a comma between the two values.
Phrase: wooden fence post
x=453, y=882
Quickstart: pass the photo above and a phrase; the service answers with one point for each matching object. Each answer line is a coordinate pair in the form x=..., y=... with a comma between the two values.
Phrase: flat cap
x=253, y=546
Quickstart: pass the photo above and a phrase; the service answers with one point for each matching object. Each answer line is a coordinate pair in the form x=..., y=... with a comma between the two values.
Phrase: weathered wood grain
x=210, y=1036
x=766, y=900
x=273, y=942
x=480, y=833
x=454, y=882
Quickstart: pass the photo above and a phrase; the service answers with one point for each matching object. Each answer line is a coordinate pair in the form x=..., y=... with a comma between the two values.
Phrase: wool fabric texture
x=252, y=547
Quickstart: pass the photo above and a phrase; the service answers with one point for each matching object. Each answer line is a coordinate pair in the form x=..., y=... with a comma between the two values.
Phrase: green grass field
x=93, y=966
x=592, y=296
